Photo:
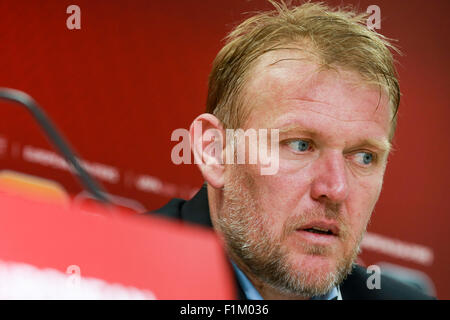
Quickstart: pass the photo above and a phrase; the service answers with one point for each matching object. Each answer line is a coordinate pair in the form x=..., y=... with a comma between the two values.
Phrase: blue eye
x=365, y=158
x=300, y=145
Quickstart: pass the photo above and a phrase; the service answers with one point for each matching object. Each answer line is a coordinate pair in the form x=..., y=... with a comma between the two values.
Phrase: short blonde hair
x=339, y=38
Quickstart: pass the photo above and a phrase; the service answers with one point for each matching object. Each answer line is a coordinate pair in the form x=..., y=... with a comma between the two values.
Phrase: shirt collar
x=252, y=294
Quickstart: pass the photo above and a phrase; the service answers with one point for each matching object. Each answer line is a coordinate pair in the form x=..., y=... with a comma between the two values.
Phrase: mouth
x=325, y=227
x=319, y=231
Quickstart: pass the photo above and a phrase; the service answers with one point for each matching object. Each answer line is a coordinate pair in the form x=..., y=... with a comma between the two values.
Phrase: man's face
x=299, y=230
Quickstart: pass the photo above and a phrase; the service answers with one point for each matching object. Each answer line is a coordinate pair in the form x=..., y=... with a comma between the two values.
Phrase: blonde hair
x=338, y=38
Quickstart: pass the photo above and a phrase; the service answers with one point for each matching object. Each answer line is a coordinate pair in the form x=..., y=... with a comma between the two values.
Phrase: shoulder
x=355, y=287
x=172, y=209
x=195, y=210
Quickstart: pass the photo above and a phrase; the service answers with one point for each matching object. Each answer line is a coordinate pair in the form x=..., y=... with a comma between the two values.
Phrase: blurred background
x=137, y=70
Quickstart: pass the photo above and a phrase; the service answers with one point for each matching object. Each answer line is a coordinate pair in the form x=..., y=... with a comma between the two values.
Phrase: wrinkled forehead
x=287, y=74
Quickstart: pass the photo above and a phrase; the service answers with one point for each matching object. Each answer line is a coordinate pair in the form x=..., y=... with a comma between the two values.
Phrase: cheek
x=362, y=199
x=279, y=196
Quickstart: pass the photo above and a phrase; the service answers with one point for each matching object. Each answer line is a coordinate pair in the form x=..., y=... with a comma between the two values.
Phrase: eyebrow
x=296, y=128
x=381, y=144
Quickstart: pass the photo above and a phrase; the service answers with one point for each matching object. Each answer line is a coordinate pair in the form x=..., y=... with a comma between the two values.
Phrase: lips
x=323, y=227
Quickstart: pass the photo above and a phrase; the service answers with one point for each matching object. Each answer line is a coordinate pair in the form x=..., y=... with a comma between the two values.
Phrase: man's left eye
x=300, y=145
x=364, y=158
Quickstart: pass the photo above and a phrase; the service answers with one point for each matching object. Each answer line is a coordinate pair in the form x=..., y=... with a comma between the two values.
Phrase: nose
x=330, y=183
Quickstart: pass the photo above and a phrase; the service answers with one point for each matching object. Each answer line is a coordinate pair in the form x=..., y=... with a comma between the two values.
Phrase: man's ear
x=207, y=138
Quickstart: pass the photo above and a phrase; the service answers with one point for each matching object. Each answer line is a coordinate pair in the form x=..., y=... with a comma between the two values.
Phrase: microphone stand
x=57, y=140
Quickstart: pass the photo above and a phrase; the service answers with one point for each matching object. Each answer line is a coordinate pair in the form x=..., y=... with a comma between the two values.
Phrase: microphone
x=57, y=140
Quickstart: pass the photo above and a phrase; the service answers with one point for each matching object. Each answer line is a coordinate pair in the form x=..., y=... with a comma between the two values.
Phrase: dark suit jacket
x=196, y=211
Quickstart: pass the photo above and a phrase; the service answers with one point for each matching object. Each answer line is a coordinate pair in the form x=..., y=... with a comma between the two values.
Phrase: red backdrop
x=137, y=70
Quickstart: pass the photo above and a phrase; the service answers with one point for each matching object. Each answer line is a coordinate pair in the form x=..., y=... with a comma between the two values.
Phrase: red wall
x=137, y=70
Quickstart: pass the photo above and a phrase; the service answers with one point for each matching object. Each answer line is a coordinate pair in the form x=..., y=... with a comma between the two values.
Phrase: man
x=325, y=87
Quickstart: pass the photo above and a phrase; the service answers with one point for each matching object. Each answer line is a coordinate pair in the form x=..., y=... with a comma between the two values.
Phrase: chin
x=318, y=273
x=314, y=264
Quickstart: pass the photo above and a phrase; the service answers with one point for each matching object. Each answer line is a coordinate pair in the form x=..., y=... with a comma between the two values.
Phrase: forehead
x=285, y=84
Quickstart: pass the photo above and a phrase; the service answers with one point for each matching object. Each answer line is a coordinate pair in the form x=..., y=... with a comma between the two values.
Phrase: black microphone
x=57, y=140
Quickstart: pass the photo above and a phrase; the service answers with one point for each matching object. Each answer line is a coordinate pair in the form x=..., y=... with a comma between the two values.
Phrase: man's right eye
x=299, y=145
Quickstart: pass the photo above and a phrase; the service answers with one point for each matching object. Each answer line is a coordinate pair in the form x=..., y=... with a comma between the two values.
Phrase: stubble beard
x=248, y=237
